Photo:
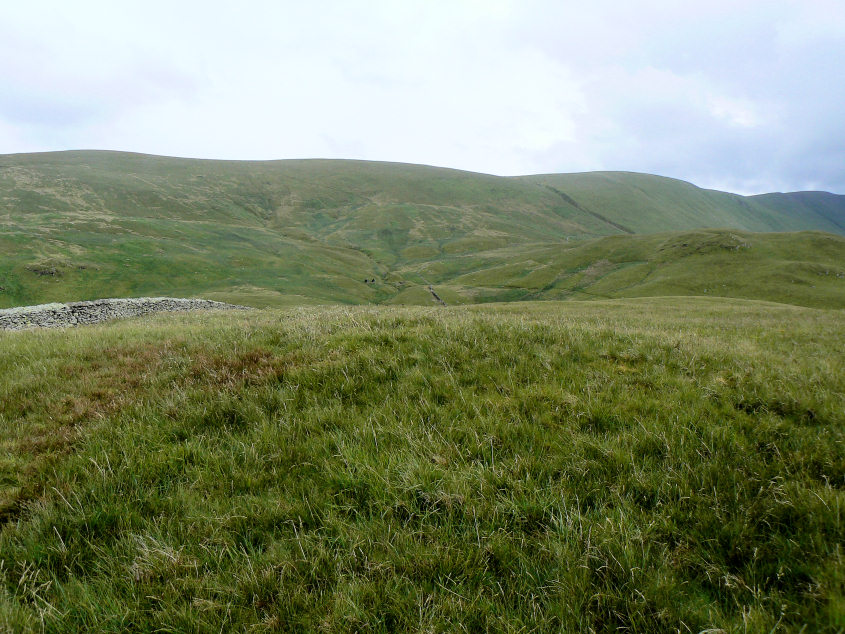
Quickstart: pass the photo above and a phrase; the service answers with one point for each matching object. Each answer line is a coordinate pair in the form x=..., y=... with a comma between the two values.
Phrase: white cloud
x=741, y=113
x=699, y=91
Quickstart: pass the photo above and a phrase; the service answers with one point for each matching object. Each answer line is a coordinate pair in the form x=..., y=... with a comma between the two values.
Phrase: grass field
x=87, y=225
x=671, y=464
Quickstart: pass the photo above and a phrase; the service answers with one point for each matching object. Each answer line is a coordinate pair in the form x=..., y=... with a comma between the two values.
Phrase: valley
x=87, y=225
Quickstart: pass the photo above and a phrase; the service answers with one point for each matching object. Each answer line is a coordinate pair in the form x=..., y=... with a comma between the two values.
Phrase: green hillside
x=642, y=203
x=808, y=206
x=82, y=225
x=670, y=461
x=806, y=268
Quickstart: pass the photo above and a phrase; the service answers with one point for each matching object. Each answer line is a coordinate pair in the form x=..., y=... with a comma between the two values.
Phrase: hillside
x=805, y=268
x=643, y=203
x=808, y=206
x=83, y=225
x=654, y=464
x=639, y=465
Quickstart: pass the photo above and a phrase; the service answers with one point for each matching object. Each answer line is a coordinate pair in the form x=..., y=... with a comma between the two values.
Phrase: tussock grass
x=651, y=465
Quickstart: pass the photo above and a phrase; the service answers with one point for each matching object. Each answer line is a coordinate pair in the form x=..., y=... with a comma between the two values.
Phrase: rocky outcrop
x=78, y=313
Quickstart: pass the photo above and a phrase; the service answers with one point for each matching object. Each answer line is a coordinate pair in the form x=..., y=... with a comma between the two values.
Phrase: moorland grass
x=652, y=465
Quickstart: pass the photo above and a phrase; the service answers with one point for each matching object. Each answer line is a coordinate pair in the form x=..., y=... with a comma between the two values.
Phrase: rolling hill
x=808, y=205
x=641, y=461
x=88, y=224
x=804, y=268
x=644, y=203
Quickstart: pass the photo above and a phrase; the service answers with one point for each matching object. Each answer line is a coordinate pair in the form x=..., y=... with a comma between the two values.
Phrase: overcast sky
x=744, y=95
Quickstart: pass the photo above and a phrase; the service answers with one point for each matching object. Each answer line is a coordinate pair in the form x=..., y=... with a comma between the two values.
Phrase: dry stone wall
x=92, y=312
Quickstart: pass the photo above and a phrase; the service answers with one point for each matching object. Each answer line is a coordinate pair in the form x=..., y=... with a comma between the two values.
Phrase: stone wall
x=77, y=313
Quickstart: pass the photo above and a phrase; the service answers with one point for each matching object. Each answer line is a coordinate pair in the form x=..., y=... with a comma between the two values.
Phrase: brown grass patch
x=88, y=389
x=250, y=367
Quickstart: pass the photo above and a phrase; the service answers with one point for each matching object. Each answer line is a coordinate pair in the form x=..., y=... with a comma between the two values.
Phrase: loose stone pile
x=77, y=313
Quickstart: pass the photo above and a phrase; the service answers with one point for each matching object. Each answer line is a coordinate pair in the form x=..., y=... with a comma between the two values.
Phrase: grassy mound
x=804, y=268
x=660, y=465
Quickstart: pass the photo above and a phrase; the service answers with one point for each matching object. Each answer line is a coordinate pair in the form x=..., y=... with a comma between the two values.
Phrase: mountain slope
x=808, y=206
x=83, y=225
x=79, y=225
x=805, y=268
x=332, y=200
x=643, y=203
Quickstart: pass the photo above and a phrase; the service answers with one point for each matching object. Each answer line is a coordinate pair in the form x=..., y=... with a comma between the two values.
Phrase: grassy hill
x=644, y=465
x=654, y=464
x=643, y=203
x=78, y=224
x=808, y=205
x=805, y=268
x=82, y=225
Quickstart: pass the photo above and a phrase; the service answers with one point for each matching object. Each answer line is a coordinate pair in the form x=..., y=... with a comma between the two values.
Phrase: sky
x=741, y=95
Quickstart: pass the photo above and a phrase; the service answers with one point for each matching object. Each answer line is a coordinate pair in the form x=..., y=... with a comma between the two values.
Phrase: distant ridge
x=82, y=224
x=645, y=203
x=808, y=205
x=620, y=201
